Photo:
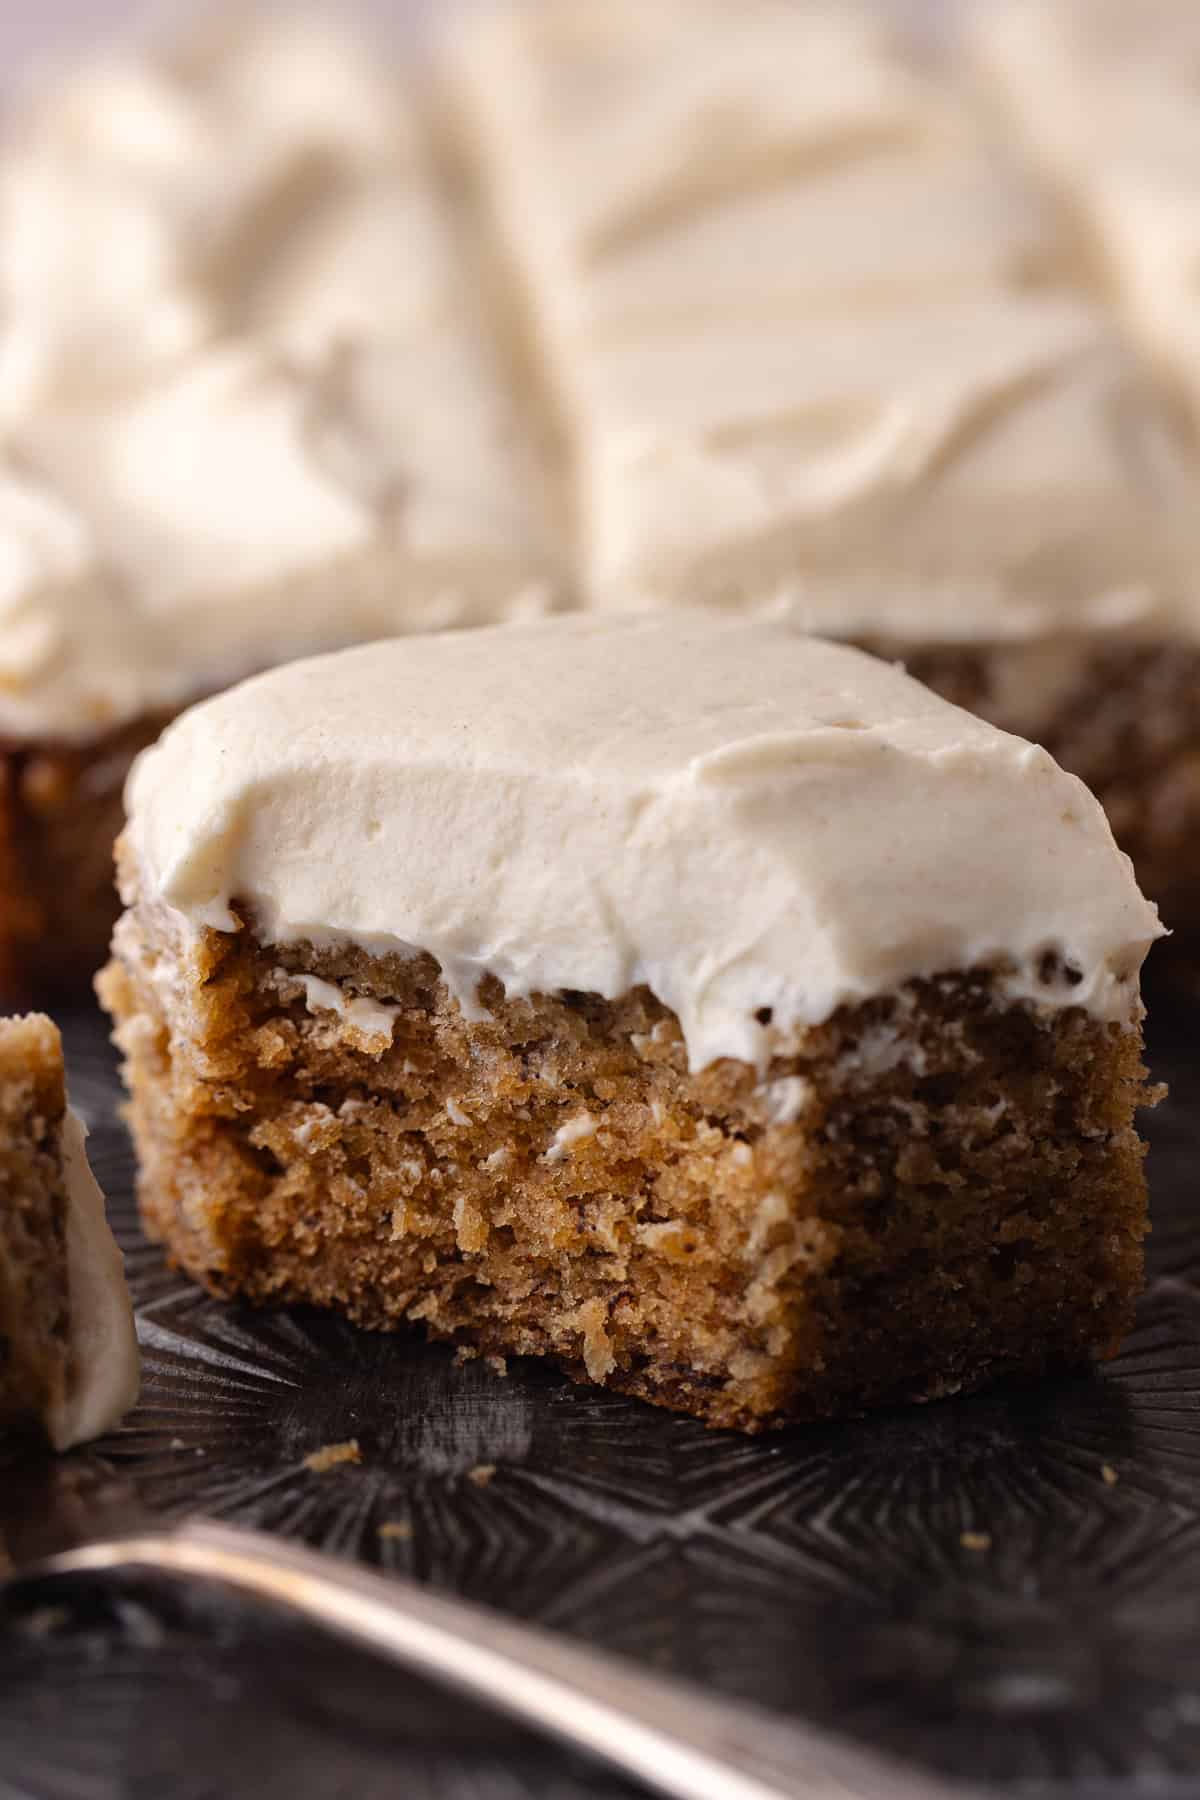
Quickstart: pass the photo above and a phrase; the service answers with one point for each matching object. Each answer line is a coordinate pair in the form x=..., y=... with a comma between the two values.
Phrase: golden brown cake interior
x=939, y=1188
x=33, y=1203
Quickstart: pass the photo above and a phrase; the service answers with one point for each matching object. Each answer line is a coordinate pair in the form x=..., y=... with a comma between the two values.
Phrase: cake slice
x=69, y=1368
x=708, y=1007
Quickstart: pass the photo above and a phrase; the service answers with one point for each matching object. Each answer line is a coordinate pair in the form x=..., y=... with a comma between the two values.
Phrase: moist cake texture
x=69, y=1367
x=710, y=1008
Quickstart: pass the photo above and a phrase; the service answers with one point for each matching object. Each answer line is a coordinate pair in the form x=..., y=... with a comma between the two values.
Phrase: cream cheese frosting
x=252, y=390
x=1104, y=96
x=965, y=470
x=245, y=509
x=778, y=157
x=103, y=1370
x=757, y=825
x=847, y=375
x=614, y=120
x=140, y=194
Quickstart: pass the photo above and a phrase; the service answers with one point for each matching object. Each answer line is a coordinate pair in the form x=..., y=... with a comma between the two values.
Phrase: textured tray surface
x=823, y=1571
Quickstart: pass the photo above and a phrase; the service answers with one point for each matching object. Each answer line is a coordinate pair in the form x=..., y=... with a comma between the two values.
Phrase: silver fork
x=675, y=1738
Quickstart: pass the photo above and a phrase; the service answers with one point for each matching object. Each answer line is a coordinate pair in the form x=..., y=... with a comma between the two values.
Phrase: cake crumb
x=573, y=1132
x=1109, y=1475
x=482, y=1474
x=465, y=1353
x=330, y=1456
x=591, y=1320
x=396, y=1530
x=975, y=1540
x=497, y=1364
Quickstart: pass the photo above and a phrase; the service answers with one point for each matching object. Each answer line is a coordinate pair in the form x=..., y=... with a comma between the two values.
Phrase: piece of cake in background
x=343, y=456
x=816, y=343
x=69, y=1369
x=708, y=1007
x=1103, y=97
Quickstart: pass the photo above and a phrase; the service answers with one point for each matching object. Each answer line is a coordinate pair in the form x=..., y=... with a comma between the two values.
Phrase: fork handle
x=675, y=1738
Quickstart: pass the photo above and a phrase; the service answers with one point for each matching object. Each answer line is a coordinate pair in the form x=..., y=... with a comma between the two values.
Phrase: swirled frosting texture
x=814, y=340
x=252, y=402
x=1104, y=96
x=756, y=824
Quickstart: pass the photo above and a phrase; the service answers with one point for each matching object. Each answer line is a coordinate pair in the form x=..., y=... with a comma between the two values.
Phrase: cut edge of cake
x=69, y=1371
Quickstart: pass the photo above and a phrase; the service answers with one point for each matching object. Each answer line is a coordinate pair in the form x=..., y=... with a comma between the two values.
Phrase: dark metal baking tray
x=1053, y=1649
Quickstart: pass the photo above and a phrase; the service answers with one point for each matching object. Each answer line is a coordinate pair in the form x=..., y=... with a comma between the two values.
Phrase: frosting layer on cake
x=103, y=1370
x=755, y=824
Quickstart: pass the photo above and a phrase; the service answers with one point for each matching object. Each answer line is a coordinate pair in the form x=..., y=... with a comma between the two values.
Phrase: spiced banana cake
x=68, y=1354
x=708, y=1007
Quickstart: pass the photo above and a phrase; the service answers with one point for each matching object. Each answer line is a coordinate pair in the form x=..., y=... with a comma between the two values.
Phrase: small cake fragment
x=764, y=1032
x=69, y=1368
x=332, y=1456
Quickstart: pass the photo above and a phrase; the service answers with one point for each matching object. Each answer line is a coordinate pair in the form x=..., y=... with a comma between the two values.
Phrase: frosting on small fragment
x=103, y=1370
x=756, y=825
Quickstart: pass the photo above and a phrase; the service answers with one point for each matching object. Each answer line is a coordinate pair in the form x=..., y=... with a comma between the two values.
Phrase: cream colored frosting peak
x=755, y=824
x=103, y=1368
